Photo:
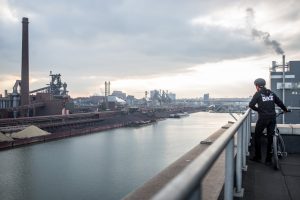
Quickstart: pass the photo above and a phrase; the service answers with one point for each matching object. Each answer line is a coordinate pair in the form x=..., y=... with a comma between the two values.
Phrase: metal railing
x=187, y=184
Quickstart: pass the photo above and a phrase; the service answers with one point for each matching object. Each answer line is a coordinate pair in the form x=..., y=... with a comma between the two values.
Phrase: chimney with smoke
x=25, y=64
x=264, y=36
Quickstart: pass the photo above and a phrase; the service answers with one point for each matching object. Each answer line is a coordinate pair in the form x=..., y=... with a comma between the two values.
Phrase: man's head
x=259, y=83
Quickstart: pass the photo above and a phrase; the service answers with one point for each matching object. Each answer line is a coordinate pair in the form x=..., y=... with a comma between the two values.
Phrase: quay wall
x=81, y=126
x=57, y=135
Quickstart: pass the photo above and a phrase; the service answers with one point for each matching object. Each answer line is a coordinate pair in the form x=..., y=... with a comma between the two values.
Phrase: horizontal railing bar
x=187, y=181
x=293, y=108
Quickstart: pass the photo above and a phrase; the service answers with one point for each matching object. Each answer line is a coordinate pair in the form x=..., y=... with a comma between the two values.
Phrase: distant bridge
x=217, y=100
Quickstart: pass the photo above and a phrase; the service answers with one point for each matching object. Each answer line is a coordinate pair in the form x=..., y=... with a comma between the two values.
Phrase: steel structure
x=43, y=101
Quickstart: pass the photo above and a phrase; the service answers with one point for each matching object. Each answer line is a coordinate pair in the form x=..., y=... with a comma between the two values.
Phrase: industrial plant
x=47, y=113
x=52, y=99
x=285, y=82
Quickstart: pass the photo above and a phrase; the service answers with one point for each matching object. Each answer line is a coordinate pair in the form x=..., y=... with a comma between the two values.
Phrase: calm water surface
x=105, y=165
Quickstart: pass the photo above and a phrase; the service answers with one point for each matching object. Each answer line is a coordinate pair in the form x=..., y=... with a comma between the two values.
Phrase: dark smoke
x=264, y=36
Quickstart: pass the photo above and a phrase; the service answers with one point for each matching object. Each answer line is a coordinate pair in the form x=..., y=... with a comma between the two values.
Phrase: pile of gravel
x=4, y=138
x=30, y=131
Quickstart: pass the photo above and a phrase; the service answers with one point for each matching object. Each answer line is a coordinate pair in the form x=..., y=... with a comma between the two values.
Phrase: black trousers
x=261, y=124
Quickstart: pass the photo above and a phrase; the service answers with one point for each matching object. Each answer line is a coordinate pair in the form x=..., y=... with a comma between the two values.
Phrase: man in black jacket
x=265, y=100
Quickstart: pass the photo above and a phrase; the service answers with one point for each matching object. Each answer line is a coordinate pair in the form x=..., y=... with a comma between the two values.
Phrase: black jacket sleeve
x=254, y=101
x=279, y=103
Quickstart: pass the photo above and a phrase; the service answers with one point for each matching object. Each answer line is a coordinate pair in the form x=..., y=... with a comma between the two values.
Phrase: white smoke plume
x=264, y=36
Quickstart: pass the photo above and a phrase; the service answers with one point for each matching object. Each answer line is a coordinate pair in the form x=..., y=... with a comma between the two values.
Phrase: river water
x=105, y=165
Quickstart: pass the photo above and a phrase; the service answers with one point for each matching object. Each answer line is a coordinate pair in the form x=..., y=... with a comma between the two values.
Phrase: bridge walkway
x=261, y=181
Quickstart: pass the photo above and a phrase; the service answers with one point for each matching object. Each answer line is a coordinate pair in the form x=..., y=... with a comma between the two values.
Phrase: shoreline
x=77, y=128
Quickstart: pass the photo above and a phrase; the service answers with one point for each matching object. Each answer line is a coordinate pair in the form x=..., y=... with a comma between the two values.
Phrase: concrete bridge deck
x=263, y=182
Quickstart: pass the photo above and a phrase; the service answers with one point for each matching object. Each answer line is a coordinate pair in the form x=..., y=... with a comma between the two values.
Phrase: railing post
x=248, y=133
x=228, y=190
x=239, y=191
x=245, y=145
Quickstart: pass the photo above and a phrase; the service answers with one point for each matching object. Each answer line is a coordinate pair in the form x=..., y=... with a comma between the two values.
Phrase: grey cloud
x=294, y=43
x=125, y=38
x=10, y=48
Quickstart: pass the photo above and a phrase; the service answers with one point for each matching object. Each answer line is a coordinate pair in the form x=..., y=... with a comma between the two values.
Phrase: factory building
x=162, y=96
x=130, y=99
x=21, y=102
x=285, y=82
x=172, y=96
x=119, y=94
x=206, y=97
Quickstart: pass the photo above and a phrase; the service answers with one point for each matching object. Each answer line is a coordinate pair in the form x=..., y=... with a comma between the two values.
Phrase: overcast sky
x=186, y=47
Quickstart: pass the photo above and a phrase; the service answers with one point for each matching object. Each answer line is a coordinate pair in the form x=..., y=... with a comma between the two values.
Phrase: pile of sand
x=30, y=131
x=4, y=138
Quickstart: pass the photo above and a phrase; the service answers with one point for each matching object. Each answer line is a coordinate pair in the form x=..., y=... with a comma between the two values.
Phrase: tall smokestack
x=25, y=64
x=283, y=78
